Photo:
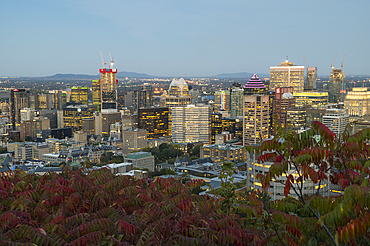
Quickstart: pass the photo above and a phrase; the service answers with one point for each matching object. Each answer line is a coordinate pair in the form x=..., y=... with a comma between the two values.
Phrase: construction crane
x=305, y=61
x=102, y=60
x=111, y=60
x=342, y=62
x=332, y=65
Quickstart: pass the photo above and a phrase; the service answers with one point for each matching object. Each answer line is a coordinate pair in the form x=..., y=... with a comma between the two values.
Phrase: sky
x=174, y=38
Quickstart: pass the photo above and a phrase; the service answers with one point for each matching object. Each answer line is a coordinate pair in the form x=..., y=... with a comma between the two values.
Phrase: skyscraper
x=108, y=88
x=154, y=120
x=191, y=123
x=236, y=100
x=18, y=99
x=73, y=116
x=178, y=94
x=283, y=100
x=311, y=78
x=222, y=101
x=286, y=75
x=337, y=85
x=79, y=95
x=45, y=101
x=59, y=99
x=216, y=126
x=256, y=112
x=96, y=94
x=143, y=98
x=121, y=99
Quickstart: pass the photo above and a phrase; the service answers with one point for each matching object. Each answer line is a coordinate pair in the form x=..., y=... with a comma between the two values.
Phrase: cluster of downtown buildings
x=65, y=126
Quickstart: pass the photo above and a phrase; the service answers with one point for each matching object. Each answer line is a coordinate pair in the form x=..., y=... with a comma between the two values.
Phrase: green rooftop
x=139, y=155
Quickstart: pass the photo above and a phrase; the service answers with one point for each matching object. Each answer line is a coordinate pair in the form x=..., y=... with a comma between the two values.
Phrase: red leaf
x=344, y=183
x=129, y=228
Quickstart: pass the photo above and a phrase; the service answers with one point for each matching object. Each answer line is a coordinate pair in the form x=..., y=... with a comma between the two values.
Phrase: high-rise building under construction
x=311, y=78
x=104, y=90
x=108, y=87
x=337, y=84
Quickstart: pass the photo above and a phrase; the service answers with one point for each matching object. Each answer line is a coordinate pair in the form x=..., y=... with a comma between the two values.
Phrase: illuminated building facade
x=121, y=100
x=59, y=99
x=221, y=124
x=143, y=98
x=224, y=152
x=236, y=100
x=286, y=75
x=178, y=94
x=108, y=88
x=256, y=112
x=234, y=126
x=337, y=85
x=96, y=94
x=311, y=78
x=19, y=99
x=312, y=99
x=222, y=101
x=155, y=121
x=191, y=123
x=216, y=126
x=283, y=100
x=357, y=102
x=45, y=101
x=79, y=95
x=296, y=118
x=73, y=116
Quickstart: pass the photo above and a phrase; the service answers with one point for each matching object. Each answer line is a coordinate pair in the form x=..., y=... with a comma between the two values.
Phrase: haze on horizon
x=171, y=38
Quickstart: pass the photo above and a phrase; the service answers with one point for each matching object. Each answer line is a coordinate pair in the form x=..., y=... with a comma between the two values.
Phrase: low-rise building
x=224, y=152
x=119, y=168
x=141, y=160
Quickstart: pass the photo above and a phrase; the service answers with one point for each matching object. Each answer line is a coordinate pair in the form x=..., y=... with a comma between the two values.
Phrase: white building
x=120, y=168
x=336, y=120
x=191, y=123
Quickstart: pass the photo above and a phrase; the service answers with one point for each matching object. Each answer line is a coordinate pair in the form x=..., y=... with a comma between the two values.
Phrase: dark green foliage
x=28, y=138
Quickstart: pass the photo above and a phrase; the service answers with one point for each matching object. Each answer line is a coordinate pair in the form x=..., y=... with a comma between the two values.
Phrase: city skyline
x=200, y=39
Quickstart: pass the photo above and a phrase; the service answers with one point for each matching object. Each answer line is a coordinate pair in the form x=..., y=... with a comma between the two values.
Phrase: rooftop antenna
x=111, y=60
x=342, y=62
x=102, y=59
x=332, y=65
x=286, y=59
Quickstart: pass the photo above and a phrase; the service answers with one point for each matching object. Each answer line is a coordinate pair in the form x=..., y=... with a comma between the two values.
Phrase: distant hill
x=124, y=74
x=240, y=75
x=86, y=76
x=72, y=76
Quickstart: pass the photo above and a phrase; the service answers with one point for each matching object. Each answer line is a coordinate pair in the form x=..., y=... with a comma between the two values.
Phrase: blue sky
x=171, y=38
